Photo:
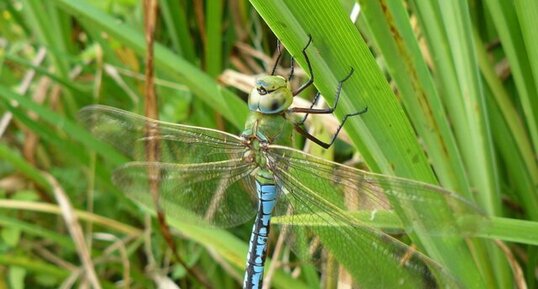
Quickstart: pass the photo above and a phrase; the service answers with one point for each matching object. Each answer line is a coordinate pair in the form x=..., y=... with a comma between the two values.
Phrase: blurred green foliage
x=451, y=87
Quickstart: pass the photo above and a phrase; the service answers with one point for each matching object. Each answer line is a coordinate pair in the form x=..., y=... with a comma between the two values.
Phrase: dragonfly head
x=271, y=95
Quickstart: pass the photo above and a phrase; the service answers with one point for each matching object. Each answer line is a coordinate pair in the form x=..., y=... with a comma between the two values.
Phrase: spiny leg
x=310, y=110
x=311, y=80
x=314, y=102
x=292, y=68
x=279, y=49
x=325, y=110
x=321, y=143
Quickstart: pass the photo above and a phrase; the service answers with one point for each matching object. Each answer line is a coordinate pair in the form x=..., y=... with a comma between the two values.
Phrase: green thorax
x=270, y=128
x=269, y=121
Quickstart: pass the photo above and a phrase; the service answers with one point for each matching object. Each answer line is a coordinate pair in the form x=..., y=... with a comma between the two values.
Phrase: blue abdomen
x=267, y=194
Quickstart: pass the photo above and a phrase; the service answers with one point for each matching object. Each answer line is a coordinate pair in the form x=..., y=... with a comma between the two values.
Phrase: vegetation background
x=451, y=87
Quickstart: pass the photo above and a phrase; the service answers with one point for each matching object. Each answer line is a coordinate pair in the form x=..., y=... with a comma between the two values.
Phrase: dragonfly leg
x=292, y=68
x=321, y=143
x=311, y=80
x=314, y=102
x=324, y=110
x=301, y=130
x=279, y=49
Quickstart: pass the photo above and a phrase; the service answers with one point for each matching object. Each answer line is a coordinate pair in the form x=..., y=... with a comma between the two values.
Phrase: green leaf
x=11, y=236
x=16, y=277
x=384, y=135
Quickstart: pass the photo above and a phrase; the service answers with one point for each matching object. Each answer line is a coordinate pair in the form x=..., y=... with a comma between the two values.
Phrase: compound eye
x=261, y=90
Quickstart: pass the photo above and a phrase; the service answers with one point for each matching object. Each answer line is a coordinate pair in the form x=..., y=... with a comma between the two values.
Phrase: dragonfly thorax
x=254, y=150
x=267, y=129
x=272, y=94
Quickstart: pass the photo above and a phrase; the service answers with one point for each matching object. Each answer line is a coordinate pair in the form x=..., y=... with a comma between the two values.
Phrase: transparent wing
x=317, y=196
x=350, y=189
x=219, y=193
x=128, y=132
x=372, y=258
x=197, y=172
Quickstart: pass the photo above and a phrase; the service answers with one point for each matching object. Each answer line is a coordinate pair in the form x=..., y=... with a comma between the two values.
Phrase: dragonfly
x=212, y=177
